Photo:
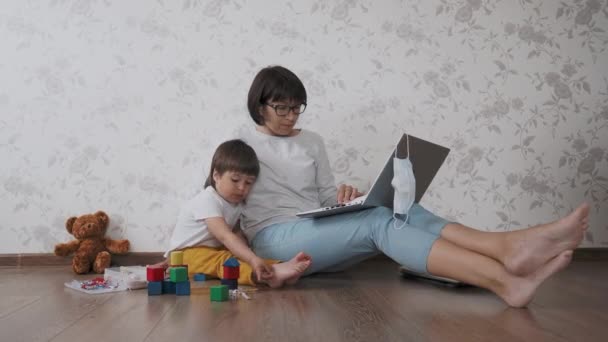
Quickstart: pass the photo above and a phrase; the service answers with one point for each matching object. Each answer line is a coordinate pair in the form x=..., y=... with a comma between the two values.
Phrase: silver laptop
x=426, y=158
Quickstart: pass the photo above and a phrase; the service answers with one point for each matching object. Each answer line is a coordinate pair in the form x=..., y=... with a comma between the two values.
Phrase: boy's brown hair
x=236, y=156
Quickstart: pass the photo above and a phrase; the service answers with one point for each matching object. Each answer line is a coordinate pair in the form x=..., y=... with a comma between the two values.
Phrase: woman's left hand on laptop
x=347, y=193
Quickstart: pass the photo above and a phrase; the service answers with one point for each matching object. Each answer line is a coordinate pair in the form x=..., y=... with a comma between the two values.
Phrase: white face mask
x=404, y=184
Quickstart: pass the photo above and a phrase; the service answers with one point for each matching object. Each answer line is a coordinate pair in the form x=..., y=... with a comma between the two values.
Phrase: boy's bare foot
x=288, y=270
x=529, y=249
x=300, y=257
x=519, y=291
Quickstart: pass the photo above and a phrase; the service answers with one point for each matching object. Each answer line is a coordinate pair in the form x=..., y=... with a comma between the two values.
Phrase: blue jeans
x=339, y=241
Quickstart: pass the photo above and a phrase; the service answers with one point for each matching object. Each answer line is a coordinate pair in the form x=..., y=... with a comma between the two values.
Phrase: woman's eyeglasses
x=283, y=110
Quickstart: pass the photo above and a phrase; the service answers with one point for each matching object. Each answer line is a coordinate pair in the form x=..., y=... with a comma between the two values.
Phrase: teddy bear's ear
x=69, y=224
x=102, y=218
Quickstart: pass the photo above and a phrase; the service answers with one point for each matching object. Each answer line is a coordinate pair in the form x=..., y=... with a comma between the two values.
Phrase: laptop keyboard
x=347, y=204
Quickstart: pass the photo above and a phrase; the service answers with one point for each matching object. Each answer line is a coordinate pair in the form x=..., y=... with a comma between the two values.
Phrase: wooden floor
x=368, y=303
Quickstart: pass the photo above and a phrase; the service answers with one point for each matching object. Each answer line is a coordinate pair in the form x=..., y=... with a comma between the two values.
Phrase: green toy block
x=219, y=293
x=178, y=274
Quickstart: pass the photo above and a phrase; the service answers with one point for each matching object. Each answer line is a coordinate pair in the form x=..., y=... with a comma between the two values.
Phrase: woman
x=295, y=176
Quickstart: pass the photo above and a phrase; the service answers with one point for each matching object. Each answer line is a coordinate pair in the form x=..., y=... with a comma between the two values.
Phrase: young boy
x=205, y=225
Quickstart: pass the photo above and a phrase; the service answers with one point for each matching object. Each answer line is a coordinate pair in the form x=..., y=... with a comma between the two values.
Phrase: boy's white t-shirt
x=191, y=229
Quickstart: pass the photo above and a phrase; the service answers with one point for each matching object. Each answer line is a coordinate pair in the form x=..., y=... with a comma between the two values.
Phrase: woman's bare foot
x=288, y=271
x=518, y=291
x=529, y=249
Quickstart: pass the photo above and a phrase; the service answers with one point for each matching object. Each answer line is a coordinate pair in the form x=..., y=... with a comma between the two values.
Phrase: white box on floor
x=133, y=277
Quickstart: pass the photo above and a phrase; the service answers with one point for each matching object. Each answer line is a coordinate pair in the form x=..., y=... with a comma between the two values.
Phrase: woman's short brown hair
x=273, y=83
x=236, y=156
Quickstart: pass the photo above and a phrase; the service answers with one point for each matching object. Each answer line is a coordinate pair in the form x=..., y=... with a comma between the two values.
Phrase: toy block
x=183, y=288
x=155, y=273
x=184, y=266
x=168, y=287
x=219, y=293
x=200, y=277
x=178, y=274
x=155, y=288
x=232, y=262
x=232, y=284
x=231, y=272
x=177, y=258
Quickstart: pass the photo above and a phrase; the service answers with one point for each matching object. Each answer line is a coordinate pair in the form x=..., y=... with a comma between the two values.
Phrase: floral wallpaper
x=119, y=105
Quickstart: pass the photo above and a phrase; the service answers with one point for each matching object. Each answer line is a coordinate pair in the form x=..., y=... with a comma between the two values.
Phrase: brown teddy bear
x=91, y=247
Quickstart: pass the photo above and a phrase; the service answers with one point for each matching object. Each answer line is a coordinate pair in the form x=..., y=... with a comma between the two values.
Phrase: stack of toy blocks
x=177, y=283
x=230, y=274
x=229, y=280
x=178, y=274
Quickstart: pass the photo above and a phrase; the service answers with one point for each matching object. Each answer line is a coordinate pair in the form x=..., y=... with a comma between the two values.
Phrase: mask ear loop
x=407, y=216
x=396, y=150
x=412, y=173
x=395, y=218
x=407, y=141
x=408, y=146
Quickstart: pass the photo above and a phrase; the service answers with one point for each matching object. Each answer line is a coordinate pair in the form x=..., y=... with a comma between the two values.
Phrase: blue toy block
x=231, y=283
x=182, y=288
x=200, y=277
x=155, y=288
x=168, y=286
x=232, y=262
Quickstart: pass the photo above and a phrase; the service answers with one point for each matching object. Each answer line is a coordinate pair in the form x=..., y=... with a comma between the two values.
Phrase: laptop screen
x=426, y=158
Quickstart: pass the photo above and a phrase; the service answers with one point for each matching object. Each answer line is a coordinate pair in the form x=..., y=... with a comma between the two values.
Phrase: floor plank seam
x=20, y=308
x=159, y=320
x=81, y=317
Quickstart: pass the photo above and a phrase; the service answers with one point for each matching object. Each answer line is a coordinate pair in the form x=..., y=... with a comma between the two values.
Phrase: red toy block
x=155, y=273
x=231, y=272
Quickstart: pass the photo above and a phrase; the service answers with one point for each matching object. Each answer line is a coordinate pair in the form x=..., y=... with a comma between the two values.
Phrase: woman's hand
x=347, y=193
x=262, y=270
